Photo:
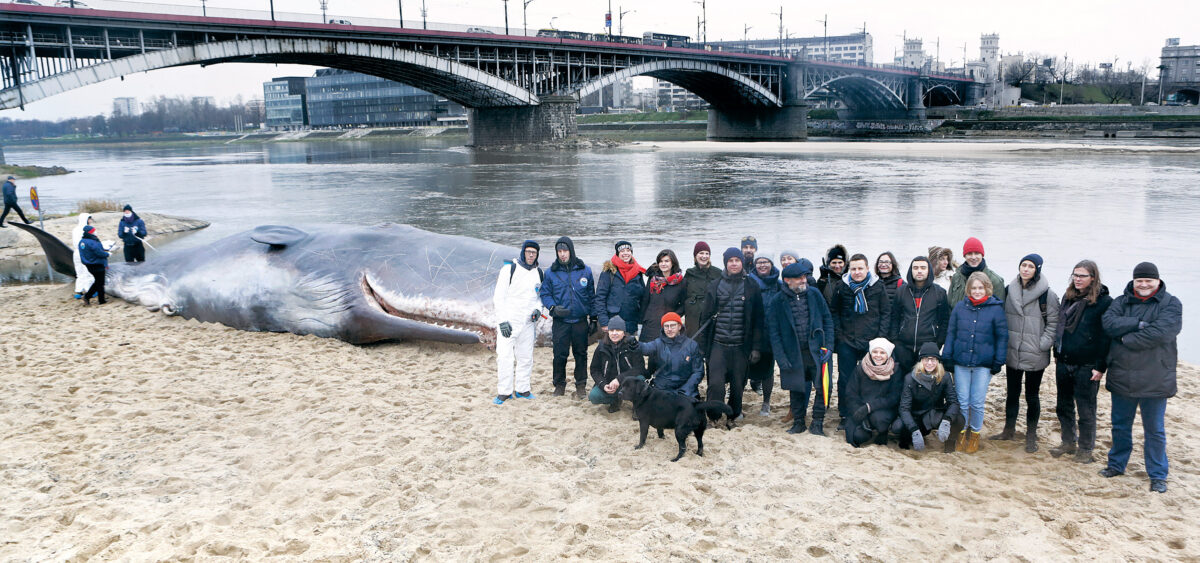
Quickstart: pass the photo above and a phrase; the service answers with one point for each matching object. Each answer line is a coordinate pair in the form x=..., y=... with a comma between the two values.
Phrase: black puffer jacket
x=747, y=305
x=912, y=326
x=919, y=398
x=655, y=305
x=1088, y=344
x=622, y=359
x=855, y=329
x=879, y=395
x=1141, y=361
x=697, y=279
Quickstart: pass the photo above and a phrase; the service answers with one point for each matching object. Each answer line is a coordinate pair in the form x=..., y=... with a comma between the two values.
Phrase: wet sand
x=126, y=434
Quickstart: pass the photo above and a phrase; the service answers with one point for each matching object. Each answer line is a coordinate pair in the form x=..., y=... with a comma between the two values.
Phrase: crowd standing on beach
x=914, y=355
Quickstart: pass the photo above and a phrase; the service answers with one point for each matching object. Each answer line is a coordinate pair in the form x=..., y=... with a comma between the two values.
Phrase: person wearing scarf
x=973, y=254
x=929, y=403
x=861, y=312
x=620, y=289
x=977, y=344
x=697, y=279
x=518, y=309
x=873, y=395
x=761, y=374
x=665, y=293
x=1032, y=314
x=1081, y=358
x=1144, y=324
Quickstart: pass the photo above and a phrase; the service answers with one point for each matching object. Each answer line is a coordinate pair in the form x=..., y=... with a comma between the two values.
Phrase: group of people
x=91, y=255
x=914, y=354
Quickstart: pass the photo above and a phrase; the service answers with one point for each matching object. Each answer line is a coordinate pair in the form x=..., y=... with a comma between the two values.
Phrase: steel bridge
x=513, y=84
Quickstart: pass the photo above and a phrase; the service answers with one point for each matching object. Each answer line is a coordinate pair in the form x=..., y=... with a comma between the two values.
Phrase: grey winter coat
x=1030, y=333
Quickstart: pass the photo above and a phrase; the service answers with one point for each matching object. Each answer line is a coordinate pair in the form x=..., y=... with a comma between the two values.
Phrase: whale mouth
x=421, y=310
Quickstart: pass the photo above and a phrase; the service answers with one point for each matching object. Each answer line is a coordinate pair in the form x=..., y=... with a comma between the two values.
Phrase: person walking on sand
x=95, y=259
x=929, y=403
x=973, y=254
x=10, y=201
x=615, y=358
x=801, y=335
x=83, y=278
x=733, y=337
x=132, y=230
x=1081, y=354
x=1144, y=323
x=1031, y=311
x=976, y=343
x=518, y=308
x=569, y=293
x=621, y=288
x=697, y=279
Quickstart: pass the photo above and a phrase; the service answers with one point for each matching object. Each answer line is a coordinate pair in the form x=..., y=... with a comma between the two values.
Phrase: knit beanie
x=751, y=241
x=731, y=253
x=670, y=317
x=90, y=229
x=791, y=253
x=701, y=247
x=795, y=271
x=127, y=208
x=1145, y=270
x=881, y=343
x=616, y=323
x=1037, y=262
x=972, y=245
x=929, y=350
x=531, y=244
x=621, y=244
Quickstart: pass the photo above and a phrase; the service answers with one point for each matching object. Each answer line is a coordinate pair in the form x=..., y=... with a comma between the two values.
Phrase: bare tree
x=1019, y=72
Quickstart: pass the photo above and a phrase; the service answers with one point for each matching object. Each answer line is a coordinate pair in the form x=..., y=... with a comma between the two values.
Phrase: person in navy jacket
x=569, y=292
x=95, y=259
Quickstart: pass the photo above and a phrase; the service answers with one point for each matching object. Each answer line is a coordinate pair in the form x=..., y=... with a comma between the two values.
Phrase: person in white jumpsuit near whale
x=518, y=309
x=83, y=279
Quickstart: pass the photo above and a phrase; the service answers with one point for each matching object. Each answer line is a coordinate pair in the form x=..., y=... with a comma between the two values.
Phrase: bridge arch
x=941, y=95
x=716, y=84
x=863, y=94
x=460, y=83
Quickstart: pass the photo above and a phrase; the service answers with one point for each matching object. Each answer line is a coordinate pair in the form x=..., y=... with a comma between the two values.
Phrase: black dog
x=666, y=409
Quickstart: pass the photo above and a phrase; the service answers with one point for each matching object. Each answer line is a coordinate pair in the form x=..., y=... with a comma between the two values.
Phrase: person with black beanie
x=132, y=230
x=569, y=293
x=733, y=332
x=1032, y=314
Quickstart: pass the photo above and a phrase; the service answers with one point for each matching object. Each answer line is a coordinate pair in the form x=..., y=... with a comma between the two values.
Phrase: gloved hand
x=996, y=368
x=505, y=329
x=593, y=325
x=918, y=441
x=559, y=312
x=860, y=414
x=755, y=356
x=1141, y=325
x=943, y=430
x=537, y=314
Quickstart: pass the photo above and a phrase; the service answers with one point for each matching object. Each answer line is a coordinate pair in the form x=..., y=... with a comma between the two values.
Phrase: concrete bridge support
x=916, y=101
x=769, y=123
x=553, y=119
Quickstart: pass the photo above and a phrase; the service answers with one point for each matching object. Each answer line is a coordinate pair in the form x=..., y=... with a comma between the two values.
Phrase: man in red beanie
x=697, y=279
x=973, y=254
x=680, y=365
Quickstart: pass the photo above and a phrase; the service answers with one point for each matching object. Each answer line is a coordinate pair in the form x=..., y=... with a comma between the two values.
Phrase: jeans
x=1012, y=401
x=847, y=358
x=727, y=365
x=599, y=397
x=971, y=383
x=1076, y=390
x=1155, y=445
x=572, y=338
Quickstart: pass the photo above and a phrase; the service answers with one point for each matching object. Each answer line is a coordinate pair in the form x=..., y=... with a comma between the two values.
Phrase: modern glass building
x=339, y=98
x=283, y=100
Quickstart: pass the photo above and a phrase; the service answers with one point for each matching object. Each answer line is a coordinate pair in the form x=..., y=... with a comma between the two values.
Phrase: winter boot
x=580, y=391
x=787, y=417
x=1031, y=440
x=1065, y=448
x=960, y=445
x=797, y=428
x=766, y=409
x=1084, y=456
x=972, y=442
x=817, y=428
x=615, y=405
x=956, y=429
x=560, y=389
x=756, y=386
x=1010, y=429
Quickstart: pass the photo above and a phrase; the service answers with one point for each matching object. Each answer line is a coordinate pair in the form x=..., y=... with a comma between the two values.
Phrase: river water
x=1064, y=201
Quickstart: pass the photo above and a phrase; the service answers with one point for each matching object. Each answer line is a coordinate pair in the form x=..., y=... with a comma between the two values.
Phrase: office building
x=340, y=98
x=284, y=101
x=856, y=48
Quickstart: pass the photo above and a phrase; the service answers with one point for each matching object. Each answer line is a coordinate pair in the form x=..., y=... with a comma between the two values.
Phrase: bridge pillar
x=552, y=120
x=787, y=123
x=916, y=101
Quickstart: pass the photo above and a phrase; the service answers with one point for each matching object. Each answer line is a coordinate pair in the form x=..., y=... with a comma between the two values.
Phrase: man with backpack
x=518, y=308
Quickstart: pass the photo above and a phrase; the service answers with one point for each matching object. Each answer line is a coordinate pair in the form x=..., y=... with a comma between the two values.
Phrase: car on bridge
x=25, y=2
x=67, y=4
x=480, y=30
x=340, y=22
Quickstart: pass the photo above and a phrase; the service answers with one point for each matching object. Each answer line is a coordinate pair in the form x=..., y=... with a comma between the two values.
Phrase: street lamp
x=424, y=12
x=203, y=8
x=506, y=17
x=621, y=19
x=400, y=4
x=704, y=20
x=525, y=16
x=324, y=5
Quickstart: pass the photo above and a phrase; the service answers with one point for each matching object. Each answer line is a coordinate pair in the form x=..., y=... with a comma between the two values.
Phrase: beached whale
x=358, y=284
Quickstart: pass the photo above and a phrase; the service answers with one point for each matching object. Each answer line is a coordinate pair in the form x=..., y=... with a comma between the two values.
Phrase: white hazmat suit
x=83, y=279
x=515, y=299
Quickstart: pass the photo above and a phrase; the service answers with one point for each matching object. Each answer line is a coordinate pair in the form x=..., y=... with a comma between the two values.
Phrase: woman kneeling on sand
x=873, y=395
x=929, y=403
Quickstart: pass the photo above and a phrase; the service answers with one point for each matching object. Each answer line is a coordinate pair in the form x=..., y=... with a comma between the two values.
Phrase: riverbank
x=129, y=434
x=31, y=171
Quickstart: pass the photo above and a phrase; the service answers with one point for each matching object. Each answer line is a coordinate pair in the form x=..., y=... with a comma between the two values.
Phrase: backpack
x=542, y=278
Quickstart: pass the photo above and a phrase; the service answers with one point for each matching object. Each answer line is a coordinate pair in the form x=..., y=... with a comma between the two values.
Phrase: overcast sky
x=1092, y=32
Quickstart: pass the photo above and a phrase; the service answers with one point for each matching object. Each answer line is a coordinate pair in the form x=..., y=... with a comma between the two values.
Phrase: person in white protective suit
x=83, y=279
x=518, y=309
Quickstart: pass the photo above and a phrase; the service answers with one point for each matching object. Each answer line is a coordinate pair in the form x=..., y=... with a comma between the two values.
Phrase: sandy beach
x=129, y=435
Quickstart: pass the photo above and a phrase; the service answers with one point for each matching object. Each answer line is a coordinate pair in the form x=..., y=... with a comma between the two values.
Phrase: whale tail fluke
x=58, y=253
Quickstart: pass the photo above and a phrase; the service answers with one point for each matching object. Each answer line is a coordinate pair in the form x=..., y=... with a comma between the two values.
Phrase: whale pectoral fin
x=277, y=235
x=60, y=256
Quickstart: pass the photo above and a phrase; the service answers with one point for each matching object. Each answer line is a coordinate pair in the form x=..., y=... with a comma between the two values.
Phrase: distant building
x=1180, y=72
x=255, y=110
x=339, y=98
x=615, y=95
x=671, y=97
x=127, y=107
x=855, y=48
x=284, y=103
x=204, y=101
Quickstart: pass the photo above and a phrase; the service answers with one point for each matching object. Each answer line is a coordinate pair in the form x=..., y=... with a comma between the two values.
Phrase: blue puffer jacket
x=131, y=230
x=91, y=251
x=680, y=365
x=10, y=193
x=977, y=335
x=616, y=297
x=569, y=285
